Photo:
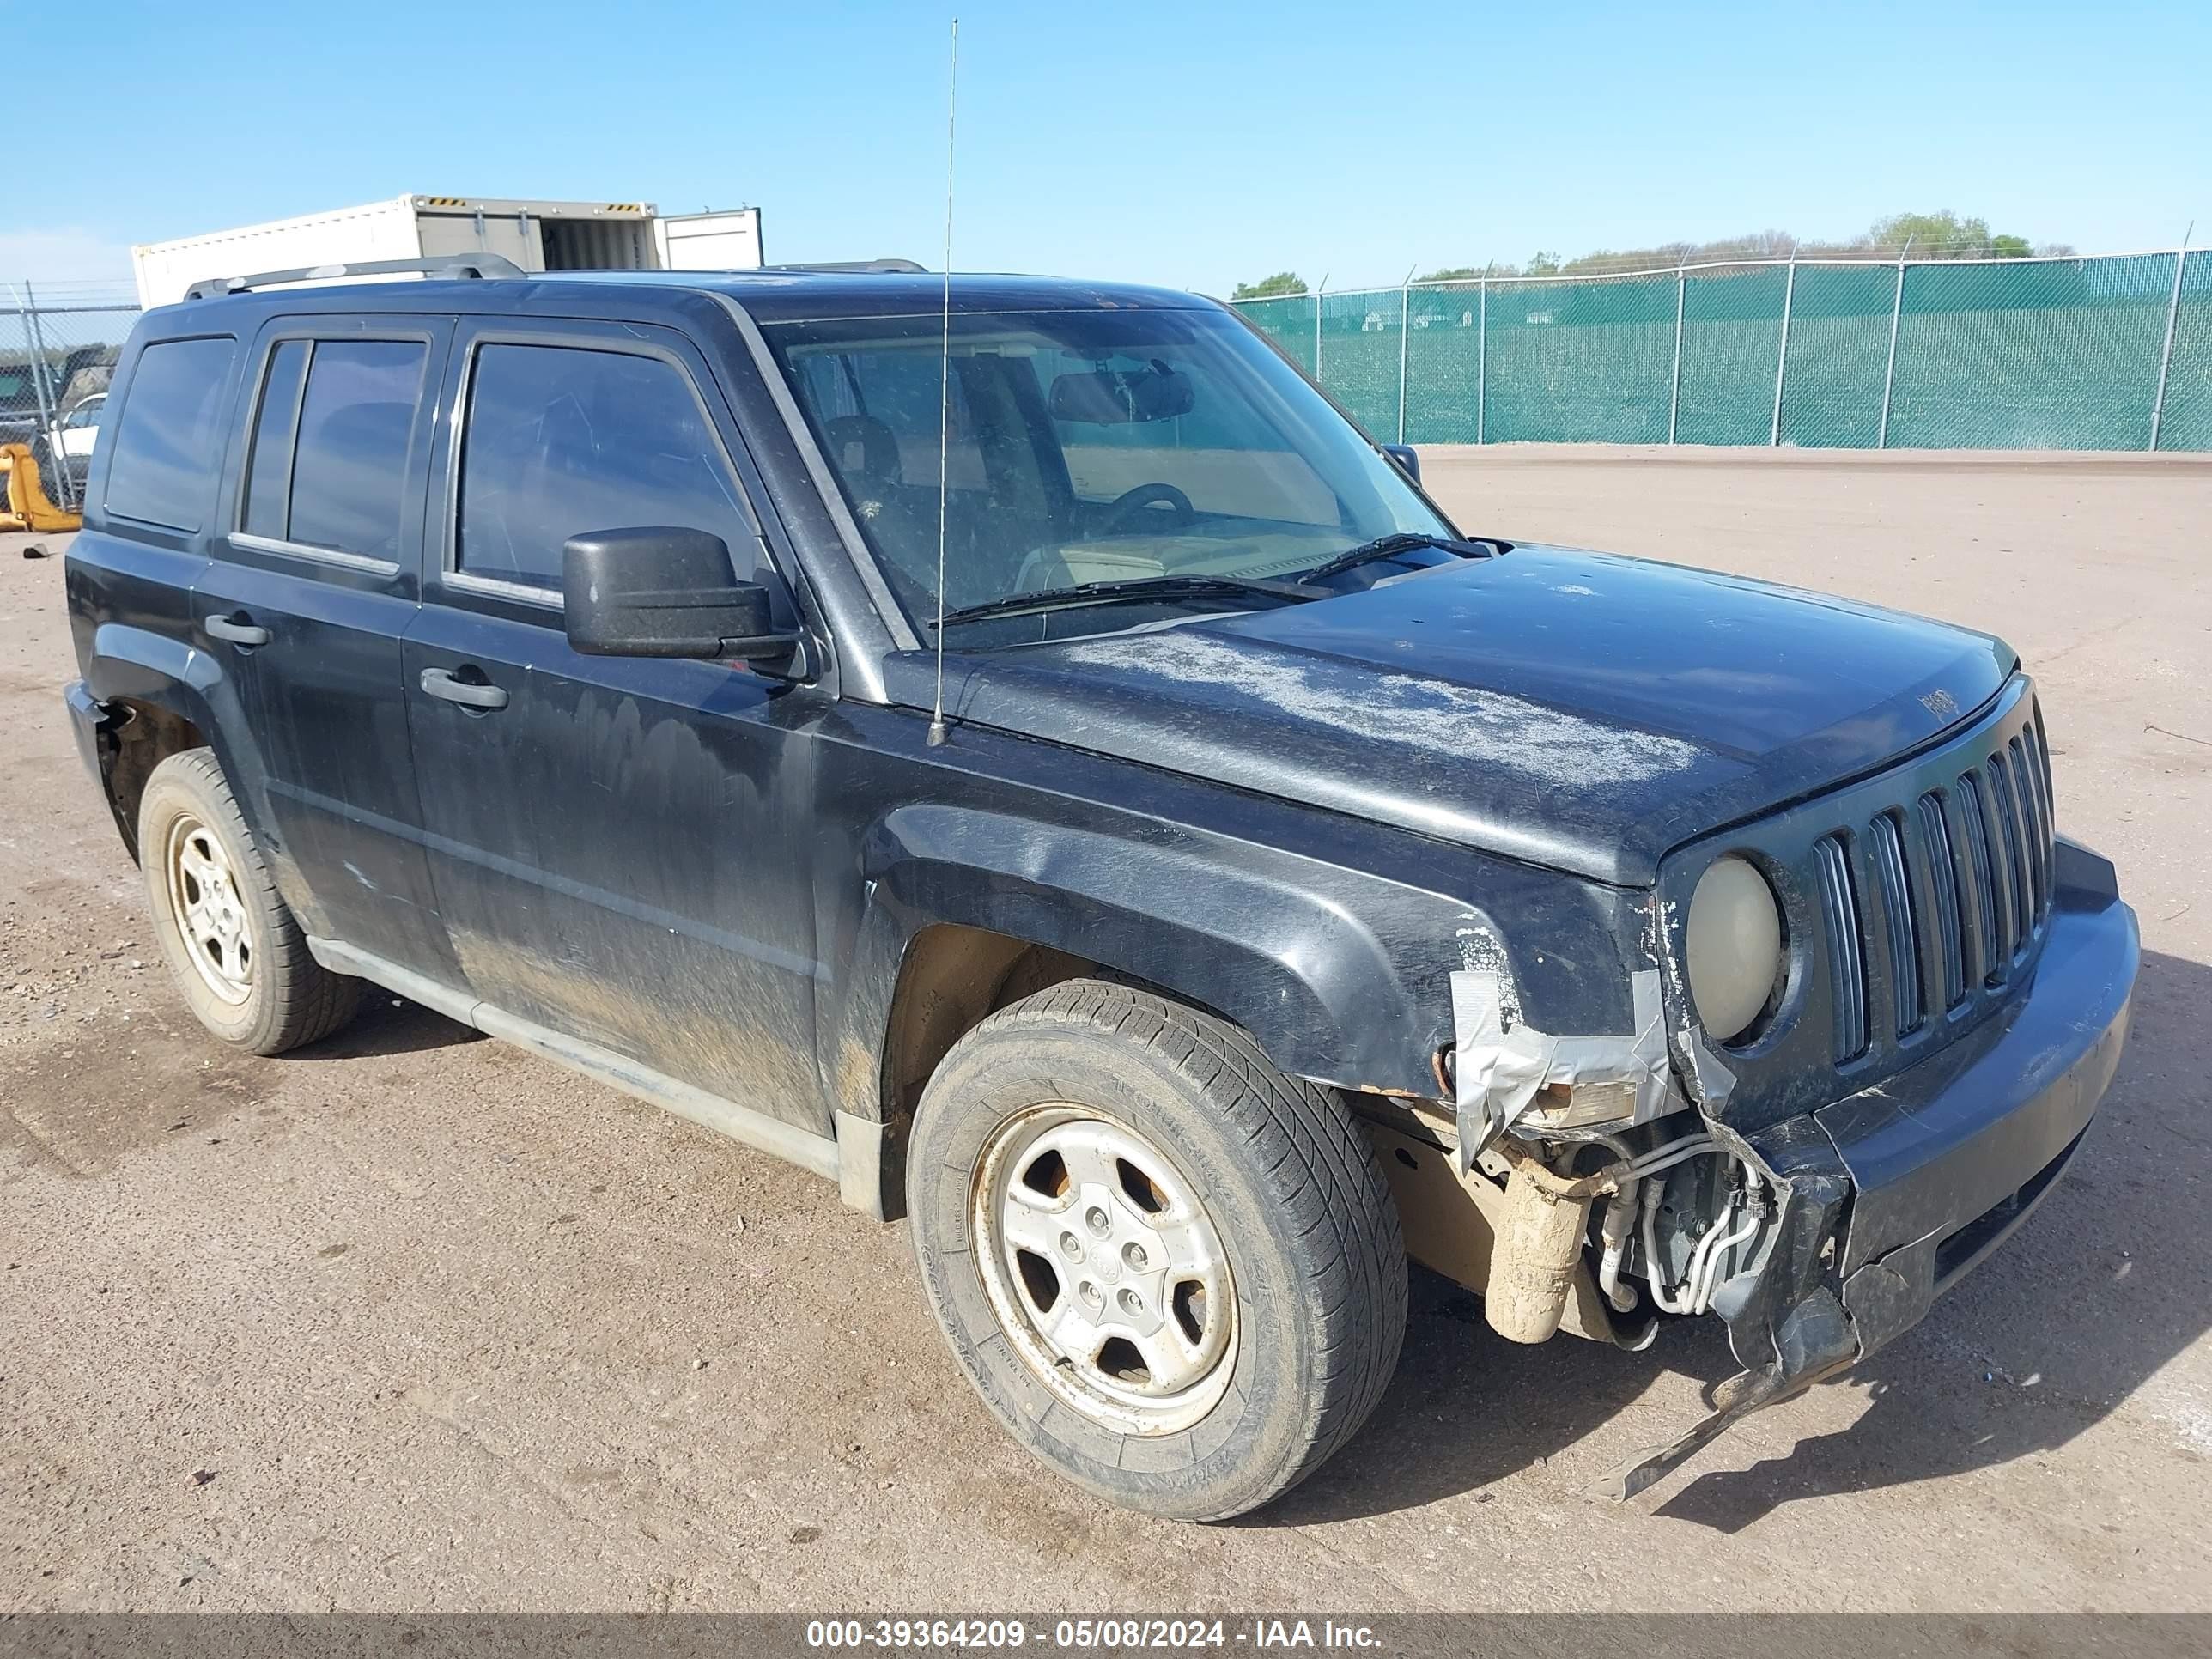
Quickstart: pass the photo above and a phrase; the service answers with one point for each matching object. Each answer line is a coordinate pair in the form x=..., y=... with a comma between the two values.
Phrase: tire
x=1311, y=1266
x=247, y=974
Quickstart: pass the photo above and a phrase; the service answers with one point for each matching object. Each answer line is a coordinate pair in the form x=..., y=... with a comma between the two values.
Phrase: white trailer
x=536, y=235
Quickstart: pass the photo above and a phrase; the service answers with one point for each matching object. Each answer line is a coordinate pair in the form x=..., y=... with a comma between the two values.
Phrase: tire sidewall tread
x=295, y=1000
x=1312, y=1235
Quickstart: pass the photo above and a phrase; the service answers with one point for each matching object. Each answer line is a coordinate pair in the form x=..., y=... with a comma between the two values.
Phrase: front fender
x=1302, y=974
x=1342, y=976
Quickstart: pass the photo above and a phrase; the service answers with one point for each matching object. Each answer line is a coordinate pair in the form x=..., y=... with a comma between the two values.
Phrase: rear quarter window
x=167, y=437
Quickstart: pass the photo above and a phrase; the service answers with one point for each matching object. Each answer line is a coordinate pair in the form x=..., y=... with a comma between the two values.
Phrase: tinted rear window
x=350, y=469
x=269, y=470
x=163, y=455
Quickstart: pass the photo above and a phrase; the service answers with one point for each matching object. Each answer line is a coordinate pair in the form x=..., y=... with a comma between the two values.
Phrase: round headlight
x=1733, y=941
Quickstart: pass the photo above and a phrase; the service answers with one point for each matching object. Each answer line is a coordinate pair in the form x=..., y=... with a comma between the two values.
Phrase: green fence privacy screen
x=2105, y=352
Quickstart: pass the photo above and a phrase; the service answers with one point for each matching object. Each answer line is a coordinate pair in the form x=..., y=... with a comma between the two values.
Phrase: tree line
x=1939, y=235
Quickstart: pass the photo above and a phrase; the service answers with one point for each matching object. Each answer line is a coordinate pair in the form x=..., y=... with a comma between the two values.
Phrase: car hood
x=1577, y=710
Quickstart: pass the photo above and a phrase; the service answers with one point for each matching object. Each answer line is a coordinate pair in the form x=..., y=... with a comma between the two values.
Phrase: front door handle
x=238, y=630
x=440, y=683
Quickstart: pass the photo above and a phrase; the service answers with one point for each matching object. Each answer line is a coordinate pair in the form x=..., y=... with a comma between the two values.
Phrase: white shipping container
x=536, y=236
x=709, y=242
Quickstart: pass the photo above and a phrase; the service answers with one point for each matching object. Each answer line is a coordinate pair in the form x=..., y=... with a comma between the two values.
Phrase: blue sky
x=1185, y=143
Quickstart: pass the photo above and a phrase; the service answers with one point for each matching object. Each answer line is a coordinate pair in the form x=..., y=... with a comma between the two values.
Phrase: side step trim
x=787, y=1141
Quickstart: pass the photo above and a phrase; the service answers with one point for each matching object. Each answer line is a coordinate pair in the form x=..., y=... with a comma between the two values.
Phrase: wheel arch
x=158, y=694
x=966, y=911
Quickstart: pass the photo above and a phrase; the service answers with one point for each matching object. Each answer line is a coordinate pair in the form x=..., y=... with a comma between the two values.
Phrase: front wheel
x=1172, y=1271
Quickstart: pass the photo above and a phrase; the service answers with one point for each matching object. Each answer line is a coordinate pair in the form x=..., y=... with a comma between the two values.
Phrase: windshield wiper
x=1132, y=590
x=1383, y=547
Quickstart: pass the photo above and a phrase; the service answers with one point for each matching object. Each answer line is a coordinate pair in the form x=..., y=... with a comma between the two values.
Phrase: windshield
x=1087, y=447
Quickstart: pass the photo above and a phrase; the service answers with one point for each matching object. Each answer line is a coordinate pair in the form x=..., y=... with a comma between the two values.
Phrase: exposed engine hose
x=1703, y=1298
x=1700, y=1279
x=1618, y=1224
x=1621, y=1184
x=1673, y=1152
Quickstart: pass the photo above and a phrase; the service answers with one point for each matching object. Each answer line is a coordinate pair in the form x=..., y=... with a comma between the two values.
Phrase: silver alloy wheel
x=1104, y=1269
x=210, y=917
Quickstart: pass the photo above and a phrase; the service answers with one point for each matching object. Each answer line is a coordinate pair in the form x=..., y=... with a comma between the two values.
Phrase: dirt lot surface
x=412, y=1321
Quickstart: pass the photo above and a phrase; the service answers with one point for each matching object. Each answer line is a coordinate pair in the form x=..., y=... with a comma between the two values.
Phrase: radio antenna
x=944, y=387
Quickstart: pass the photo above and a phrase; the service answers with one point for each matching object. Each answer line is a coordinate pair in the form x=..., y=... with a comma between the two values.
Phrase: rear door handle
x=245, y=633
x=440, y=683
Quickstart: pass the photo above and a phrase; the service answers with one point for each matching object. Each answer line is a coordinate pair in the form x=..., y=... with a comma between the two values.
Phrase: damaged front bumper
x=1889, y=1196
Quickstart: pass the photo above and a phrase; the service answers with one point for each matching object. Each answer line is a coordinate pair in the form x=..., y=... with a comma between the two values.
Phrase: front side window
x=328, y=468
x=562, y=440
x=1085, y=447
x=166, y=436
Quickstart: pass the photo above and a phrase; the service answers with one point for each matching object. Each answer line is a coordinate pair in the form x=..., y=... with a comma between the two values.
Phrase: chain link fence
x=2105, y=352
x=2112, y=352
x=58, y=343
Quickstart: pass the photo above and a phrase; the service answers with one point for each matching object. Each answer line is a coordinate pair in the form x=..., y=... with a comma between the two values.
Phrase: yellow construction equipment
x=28, y=507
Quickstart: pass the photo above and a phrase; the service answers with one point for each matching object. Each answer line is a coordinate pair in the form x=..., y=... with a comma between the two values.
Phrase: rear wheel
x=234, y=947
x=1172, y=1271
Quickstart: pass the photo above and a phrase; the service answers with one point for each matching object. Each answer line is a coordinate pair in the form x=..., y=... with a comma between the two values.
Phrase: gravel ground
x=412, y=1321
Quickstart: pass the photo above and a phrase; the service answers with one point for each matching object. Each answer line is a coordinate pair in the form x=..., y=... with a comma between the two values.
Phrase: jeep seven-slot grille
x=1846, y=954
x=1948, y=892
x=1888, y=832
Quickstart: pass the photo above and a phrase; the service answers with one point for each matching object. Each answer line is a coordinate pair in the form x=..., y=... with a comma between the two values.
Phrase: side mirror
x=662, y=591
x=1409, y=463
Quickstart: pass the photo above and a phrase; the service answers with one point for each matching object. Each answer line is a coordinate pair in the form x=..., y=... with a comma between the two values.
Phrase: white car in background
x=67, y=446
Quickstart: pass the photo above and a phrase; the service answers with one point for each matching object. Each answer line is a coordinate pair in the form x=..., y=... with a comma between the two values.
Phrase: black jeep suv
x=1015, y=748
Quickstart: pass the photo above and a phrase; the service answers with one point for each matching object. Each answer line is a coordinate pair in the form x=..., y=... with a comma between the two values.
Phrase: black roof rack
x=875, y=267
x=461, y=264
